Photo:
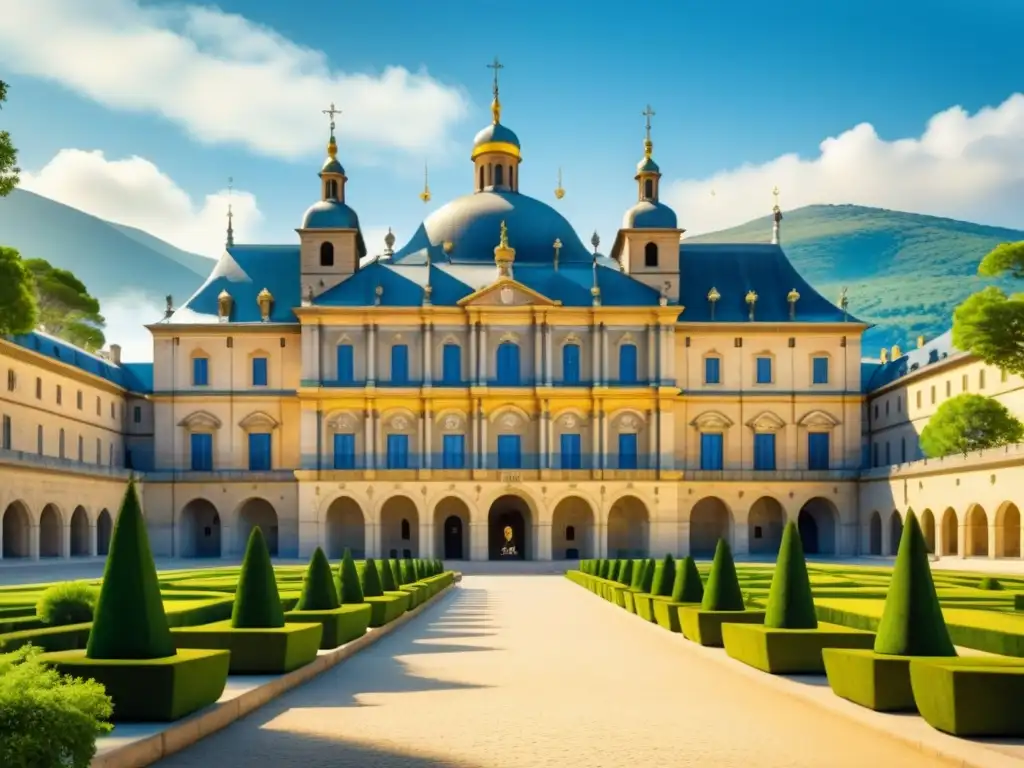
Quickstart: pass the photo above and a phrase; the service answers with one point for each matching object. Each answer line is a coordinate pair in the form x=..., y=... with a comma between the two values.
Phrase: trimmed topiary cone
x=257, y=601
x=687, y=587
x=351, y=591
x=664, y=577
x=790, y=602
x=129, y=622
x=637, y=577
x=723, y=590
x=396, y=571
x=387, y=579
x=371, y=583
x=648, y=576
x=408, y=571
x=318, y=590
x=912, y=623
x=625, y=576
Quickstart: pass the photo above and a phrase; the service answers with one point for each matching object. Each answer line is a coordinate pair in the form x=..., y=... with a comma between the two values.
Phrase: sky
x=139, y=111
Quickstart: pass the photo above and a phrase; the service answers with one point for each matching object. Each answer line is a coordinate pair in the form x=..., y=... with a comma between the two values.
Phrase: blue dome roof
x=647, y=165
x=331, y=165
x=472, y=223
x=496, y=132
x=330, y=214
x=650, y=215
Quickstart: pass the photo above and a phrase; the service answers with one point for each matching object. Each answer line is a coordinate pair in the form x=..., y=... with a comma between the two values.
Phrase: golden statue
x=508, y=533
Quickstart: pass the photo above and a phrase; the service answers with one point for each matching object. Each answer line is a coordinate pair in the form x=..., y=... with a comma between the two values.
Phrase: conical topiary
x=990, y=582
x=637, y=577
x=687, y=587
x=912, y=623
x=257, y=601
x=664, y=576
x=397, y=572
x=648, y=576
x=370, y=581
x=440, y=566
x=408, y=573
x=387, y=579
x=626, y=573
x=790, y=602
x=318, y=590
x=602, y=569
x=129, y=621
x=349, y=588
x=723, y=590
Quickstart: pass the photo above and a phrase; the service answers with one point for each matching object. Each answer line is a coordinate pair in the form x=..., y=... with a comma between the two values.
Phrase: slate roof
x=875, y=374
x=134, y=377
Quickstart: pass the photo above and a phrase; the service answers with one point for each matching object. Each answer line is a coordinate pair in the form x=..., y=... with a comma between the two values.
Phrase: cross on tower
x=496, y=66
x=775, y=194
x=331, y=113
x=648, y=113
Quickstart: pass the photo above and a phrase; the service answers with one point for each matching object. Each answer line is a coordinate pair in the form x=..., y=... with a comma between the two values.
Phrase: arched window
x=332, y=189
x=649, y=188
x=481, y=177
x=499, y=175
x=326, y=254
x=570, y=533
x=490, y=174
x=511, y=185
x=406, y=533
x=651, y=255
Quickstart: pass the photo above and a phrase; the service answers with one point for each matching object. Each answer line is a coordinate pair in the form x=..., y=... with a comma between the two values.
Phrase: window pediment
x=507, y=292
x=343, y=421
x=712, y=421
x=818, y=419
x=258, y=421
x=200, y=421
x=766, y=421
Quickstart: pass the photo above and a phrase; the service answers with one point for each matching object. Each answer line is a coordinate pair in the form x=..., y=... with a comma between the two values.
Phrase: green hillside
x=903, y=271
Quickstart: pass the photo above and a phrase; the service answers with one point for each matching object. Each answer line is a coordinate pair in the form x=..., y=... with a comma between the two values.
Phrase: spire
x=559, y=192
x=231, y=231
x=425, y=194
x=332, y=145
x=776, y=217
x=504, y=254
x=648, y=144
x=496, y=103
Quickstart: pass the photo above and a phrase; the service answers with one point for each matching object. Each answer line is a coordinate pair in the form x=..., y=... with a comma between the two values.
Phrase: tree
x=66, y=308
x=790, y=600
x=257, y=601
x=18, y=308
x=968, y=423
x=9, y=172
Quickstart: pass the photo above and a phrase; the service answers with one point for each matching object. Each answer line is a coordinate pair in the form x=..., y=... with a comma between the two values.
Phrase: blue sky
x=735, y=86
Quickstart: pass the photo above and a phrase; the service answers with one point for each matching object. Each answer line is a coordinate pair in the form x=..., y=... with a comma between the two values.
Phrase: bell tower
x=496, y=154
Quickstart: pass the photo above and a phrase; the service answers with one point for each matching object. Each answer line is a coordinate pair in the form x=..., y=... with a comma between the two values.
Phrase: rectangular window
x=346, y=364
x=200, y=372
x=817, y=450
x=451, y=364
x=764, y=370
x=81, y=448
x=60, y=444
x=398, y=451
x=113, y=411
x=933, y=394
x=949, y=388
x=888, y=455
x=764, y=451
x=1002, y=376
x=39, y=440
x=981, y=379
x=628, y=364
x=819, y=370
x=259, y=451
x=918, y=398
x=344, y=450
x=570, y=452
x=508, y=364
x=78, y=400
x=509, y=454
x=628, y=451
x=874, y=455
x=7, y=433
x=571, y=363
x=99, y=451
x=39, y=389
x=454, y=452
x=110, y=455
x=903, y=450
x=137, y=414
x=202, y=451
x=712, y=370
x=899, y=403
x=99, y=407
x=259, y=371
x=400, y=364
x=60, y=394
x=711, y=450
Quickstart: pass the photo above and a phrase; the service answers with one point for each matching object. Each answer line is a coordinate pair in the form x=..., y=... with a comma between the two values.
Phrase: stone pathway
x=534, y=672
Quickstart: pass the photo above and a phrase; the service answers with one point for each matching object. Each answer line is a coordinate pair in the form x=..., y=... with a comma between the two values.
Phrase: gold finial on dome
x=751, y=299
x=425, y=194
x=558, y=249
x=496, y=103
x=559, y=192
x=648, y=144
x=224, y=304
x=713, y=297
x=265, y=300
x=332, y=145
x=775, y=195
x=792, y=297
x=504, y=254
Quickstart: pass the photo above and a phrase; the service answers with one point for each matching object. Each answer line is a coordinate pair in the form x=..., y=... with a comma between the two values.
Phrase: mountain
x=903, y=271
x=112, y=260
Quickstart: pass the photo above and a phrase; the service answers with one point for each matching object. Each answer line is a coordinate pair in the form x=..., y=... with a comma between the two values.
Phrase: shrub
x=790, y=603
x=387, y=578
x=350, y=590
x=48, y=719
x=72, y=602
x=408, y=572
x=687, y=587
x=318, y=590
x=990, y=582
x=625, y=572
x=396, y=571
x=723, y=591
x=663, y=577
x=257, y=601
x=637, y=576
x=130, y=622
x=370, y=581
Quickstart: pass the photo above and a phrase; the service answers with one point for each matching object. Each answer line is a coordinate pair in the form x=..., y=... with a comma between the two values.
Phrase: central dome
x=496, y=133
x=472, y=224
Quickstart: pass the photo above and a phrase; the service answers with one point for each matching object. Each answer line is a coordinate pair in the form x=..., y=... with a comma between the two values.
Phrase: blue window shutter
x=764, y=451
x=571, y=450
x=259, y=450
x=819, y=370
x=259, y=371
x=200, y=371
x=818, y=450
x=712, y=374
x=344, y=450
x=346, y=364
x=398, y=452
x=764, y=370
x=202, y=451
x=627, y=451
x=509, y=456
x=454, y=456
x=627, y=364
x=400, y=364
x=711, y=451
x=451, y=364
x=571, y=363
x=508, y=364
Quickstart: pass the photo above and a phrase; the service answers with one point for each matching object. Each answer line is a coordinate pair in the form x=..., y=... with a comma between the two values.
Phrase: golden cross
x=496, y=66
x=775, y=194
x=648, y=113
x=331, y=113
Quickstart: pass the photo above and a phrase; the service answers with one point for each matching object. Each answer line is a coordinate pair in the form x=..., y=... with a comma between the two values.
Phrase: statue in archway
x=508, y=548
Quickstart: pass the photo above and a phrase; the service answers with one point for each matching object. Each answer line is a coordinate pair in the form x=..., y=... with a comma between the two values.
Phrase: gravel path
x=534, y=672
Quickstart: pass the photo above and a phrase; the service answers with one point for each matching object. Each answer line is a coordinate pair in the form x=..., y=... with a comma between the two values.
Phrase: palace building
x=495, y=388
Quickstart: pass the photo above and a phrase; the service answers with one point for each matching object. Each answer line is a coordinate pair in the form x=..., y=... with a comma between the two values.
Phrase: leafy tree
x=70, y=602
x=9, y=177
x=66, y=308
x=989, y=323
x=1005, y=257
x=18, y=308
x=969, y=422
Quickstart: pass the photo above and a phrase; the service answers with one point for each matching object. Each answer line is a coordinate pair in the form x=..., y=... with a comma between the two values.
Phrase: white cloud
x=222, y=77
x=127, y=316
x=963, y=166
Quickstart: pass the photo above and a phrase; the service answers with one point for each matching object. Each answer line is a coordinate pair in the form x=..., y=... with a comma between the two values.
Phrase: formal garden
x=142, y=646
x=948, y=645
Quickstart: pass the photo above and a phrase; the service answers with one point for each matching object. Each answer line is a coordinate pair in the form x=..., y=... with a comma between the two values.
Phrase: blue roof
x=496, y=132
x=243, y=271
x=331, y=165
x=647, y=165
x=330, y=214
x=875, y=374
x=648, y=214
x=735, y=269
x=134, y=377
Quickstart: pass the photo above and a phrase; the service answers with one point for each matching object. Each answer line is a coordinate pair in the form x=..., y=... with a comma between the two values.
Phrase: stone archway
x=572, y=529
x=628, y=528
x=950, y=533
x=765, y=522
x=709, y=521
x=1008, y=530
x=346, y=528
x=928, y=529
x=509, y=529
x=17, y=530
x=257, y=512
x=875, y=534
x=199, y=530
x=399, y=528
x=977, y=532
x=451, y=528
x=51, y=532
x=818, y=523
x=104, y=530
x=79, y=533
x=895, y=532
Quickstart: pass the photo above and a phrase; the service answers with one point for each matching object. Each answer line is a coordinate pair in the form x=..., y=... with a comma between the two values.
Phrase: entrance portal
x=453, y=538
x=507, y=537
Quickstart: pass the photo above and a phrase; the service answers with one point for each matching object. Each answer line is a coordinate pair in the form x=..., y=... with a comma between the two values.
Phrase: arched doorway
x=199, y=530
x=628, y=528
x=928, y=529
x=104, y=530
x=257, y=512
x=875, y=534
x=508, y=529
x=346, y=528
x=399, y=528
x=950, y=534
x=17, y=528
x=79, y=533
x=572, y=529
x=765, y=522
x=709, y=521
x=451, y=521
x=1008, y=530
x=977, y=532
x=895, y=532
x=50, y=532
x=818, y=524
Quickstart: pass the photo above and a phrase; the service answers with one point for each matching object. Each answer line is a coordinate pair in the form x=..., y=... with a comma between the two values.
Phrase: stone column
x=547, y=354
x=542, y=438
x=33, y=542
x=538, y=352
x=484, y=362
x=426, y=548
x=670, y=354
x=595, y=430
x=473, y=368
x=421, y=441
x=605, y=447
x=549, y=455
x=428, y=354
x=371, y=355
x=595, y=353
x=652, y=348
x=483, y=440
x=605, y=361
x=543, y=550
x=477, y=539
x=666, y=437
x=368, y=439
x=93, y=543
x=428, y=440
x=657, y=438
x=474, y=426
x=663, y=341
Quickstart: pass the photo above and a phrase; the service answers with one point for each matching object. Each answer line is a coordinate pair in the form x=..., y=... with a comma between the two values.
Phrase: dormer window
x=648, y=189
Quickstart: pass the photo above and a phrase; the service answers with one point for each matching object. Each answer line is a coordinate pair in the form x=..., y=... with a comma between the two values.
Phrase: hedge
x=783, y=651
x=388, y=607
x=972, y=696
x=256, y=651
x=340, y=625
